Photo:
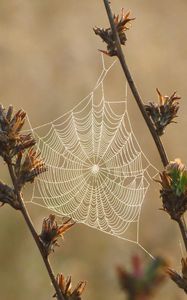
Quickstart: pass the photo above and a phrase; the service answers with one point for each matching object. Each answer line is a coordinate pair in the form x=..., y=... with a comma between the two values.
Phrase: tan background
x=48, y=62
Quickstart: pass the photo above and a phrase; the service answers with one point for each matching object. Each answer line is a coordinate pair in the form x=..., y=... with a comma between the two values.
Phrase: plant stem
x=132, y=86
x=182, y=225
x=34, y=233
x=140, y=104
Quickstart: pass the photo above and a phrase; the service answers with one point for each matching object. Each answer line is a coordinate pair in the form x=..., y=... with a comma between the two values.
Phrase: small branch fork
x=34, y=233
x=156, y=138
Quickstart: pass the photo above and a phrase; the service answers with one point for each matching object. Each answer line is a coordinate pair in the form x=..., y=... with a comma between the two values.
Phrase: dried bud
x=32, y=166
x=11, y=139
x=26, y=141
x=51, y=232
x=8, y=196
x=66, y=288
x=77, y=292
x=121, y=23
x=174, y=189
x=141, y=283
x=164, y=112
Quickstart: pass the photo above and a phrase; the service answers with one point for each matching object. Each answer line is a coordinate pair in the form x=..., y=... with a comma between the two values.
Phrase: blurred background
x=48, y=62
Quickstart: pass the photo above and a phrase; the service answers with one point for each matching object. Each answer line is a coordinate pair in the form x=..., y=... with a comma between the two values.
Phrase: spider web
x=97, y=173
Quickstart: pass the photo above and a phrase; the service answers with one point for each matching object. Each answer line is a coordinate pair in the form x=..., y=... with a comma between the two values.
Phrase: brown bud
x=121, y=23
x=31, y=167
x=66, y=288
x=164, y=112
x=51, y=232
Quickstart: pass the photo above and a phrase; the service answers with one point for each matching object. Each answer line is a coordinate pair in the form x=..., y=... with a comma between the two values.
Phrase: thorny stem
x=34, y=233
x=140, y=104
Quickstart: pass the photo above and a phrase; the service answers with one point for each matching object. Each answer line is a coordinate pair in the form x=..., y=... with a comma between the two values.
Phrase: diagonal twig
x=140, y=104
x=133, y=88
x=34, y=233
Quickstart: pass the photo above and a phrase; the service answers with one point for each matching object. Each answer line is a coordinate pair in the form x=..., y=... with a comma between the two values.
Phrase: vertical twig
x=140, y=104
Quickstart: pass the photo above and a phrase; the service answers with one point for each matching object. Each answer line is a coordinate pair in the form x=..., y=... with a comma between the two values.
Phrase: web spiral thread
x=97, y=173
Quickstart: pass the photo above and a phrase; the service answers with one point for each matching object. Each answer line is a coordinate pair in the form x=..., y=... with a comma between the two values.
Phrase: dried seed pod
x=51, y=232
x=12, y=141
x=164, y=112
x=65, y=285
x=121, y=23
x=31, y=167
